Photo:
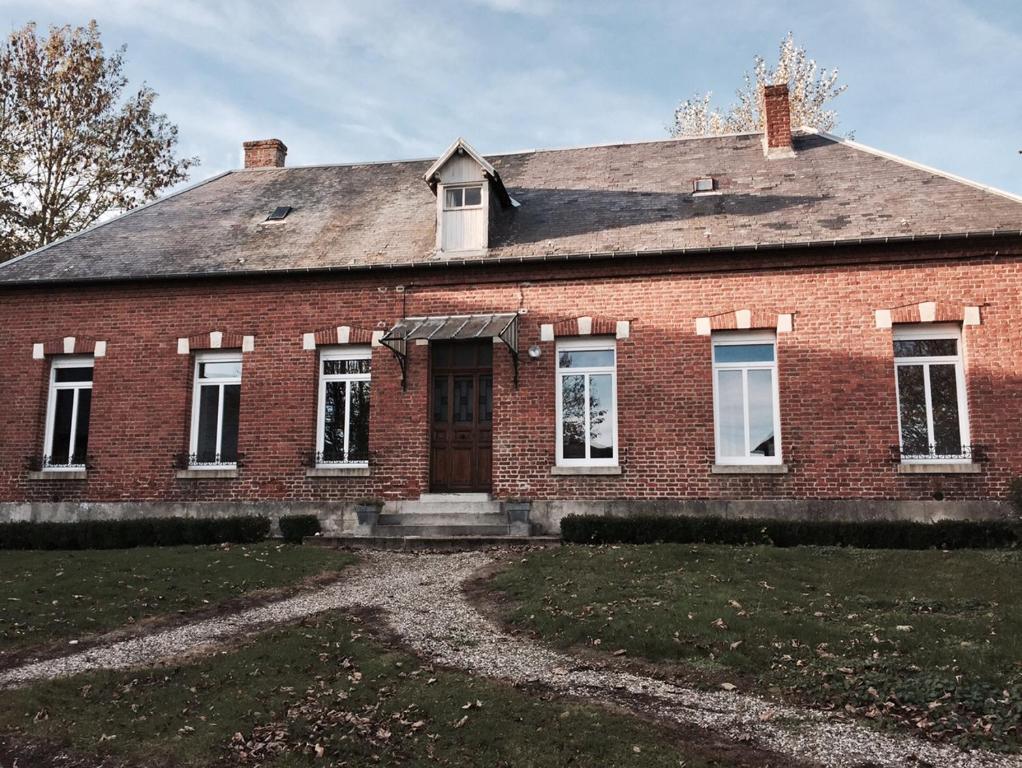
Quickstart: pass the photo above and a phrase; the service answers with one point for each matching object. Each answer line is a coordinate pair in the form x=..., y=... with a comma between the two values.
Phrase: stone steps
x=440, y=531
x=432, y=543
x=443, y=518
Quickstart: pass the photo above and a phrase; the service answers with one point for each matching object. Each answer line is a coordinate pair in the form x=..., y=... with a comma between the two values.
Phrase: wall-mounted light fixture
x=535, y=351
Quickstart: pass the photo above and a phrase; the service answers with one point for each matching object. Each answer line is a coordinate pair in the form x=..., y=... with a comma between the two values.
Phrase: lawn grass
x=886, y=632
x=51, y=595
x=324, y=687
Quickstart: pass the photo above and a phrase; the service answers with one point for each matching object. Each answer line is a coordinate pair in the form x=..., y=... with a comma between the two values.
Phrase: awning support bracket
x=399, y=346
x=509, y=336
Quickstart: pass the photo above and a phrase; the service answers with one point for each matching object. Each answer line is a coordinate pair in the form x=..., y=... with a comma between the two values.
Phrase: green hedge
x=881, y=534
x=123, y=534
x=295, y=527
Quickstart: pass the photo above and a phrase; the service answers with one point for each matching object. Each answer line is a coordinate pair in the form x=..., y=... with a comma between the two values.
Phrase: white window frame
x=463, y=186
x=193, y=444
x=344, y=353
x=51, y=410
x=573, y=345
x=920, y=333
x=733, y=338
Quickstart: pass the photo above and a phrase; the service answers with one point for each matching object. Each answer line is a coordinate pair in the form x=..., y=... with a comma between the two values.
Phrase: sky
x=935, y=81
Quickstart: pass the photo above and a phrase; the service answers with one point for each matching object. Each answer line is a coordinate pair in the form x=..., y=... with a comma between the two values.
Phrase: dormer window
x=469, y=196
x=463, y=197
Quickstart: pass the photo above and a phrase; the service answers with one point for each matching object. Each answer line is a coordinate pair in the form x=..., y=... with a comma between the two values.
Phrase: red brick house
x=757, y=324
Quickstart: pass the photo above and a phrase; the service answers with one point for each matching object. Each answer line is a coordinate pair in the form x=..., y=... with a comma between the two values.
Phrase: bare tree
x=73, y=146
x=811, y=90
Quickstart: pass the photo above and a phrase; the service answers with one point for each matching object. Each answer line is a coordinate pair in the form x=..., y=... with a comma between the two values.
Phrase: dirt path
x=422, y=600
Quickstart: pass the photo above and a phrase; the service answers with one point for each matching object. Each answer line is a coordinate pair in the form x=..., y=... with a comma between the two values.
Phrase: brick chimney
x=777, y=122
x=265, y=153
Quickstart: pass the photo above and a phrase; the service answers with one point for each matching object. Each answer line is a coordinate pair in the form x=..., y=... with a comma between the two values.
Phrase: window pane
x=926, y=348
x=743, y=353
x=82, y=430
x=333, y=421
x=473, y=195
x=912, y=407
x=440, y=403
x=731, y=412
x=586, y=358
x=73, y=374
x=761, y=413
x=485, y=355
x=229, y=433
x=221, y=370
x=338, y=367
x=601, y=416
x=573, y=395
x=463, y=397
x=358, y=438
x=465, y=355
x=452, y=198
x=944, y=400
x=485, y=398
x=209, y=406
x=61, y=444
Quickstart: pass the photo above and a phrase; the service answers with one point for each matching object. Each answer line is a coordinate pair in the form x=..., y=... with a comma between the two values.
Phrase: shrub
x=123, y=534
x=295, y=527
x=881, y=534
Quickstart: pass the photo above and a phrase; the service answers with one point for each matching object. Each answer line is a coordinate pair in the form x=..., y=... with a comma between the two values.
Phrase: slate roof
x=622, y=199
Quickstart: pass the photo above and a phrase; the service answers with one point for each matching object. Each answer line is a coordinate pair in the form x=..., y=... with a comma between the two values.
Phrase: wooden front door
x=461, y=416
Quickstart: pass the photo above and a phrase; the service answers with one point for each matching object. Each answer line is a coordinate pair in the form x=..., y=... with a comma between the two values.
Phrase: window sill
x=337, y=472
x=749, y=469
x=611, y=470
x=226, y=473
x=59, y=474
x=958, y=468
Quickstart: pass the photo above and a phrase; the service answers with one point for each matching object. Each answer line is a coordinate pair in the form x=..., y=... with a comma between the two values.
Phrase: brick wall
x=836, y=378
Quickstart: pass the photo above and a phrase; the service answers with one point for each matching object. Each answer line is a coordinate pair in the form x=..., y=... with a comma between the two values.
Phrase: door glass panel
x=209, y=405
x=485, y=398
x=440, y=403
x=731, y=413
x=761, y=413
x=573, y=393
x=473, y=196
x=333, y=421
x=463, y=399
x=912, y=406
x=229, y=433
x=60, y=448
x=601, y=416
x=586, y=358
x=944, y=400
x=358, y=437
x=82, y=429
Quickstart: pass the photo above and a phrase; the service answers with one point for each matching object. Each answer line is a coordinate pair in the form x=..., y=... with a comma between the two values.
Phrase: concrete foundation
x=545, y=517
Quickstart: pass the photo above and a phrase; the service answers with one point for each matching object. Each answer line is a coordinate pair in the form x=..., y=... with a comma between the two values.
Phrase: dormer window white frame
x=459, y=197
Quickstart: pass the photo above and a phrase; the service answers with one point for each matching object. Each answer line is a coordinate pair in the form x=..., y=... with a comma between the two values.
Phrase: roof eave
x=538, y=258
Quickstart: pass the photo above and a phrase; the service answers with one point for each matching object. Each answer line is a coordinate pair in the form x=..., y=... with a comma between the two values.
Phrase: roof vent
x=703, y=185
x=279, y=213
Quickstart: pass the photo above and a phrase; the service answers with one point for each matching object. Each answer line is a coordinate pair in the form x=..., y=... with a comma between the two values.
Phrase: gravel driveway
x=420, y=596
